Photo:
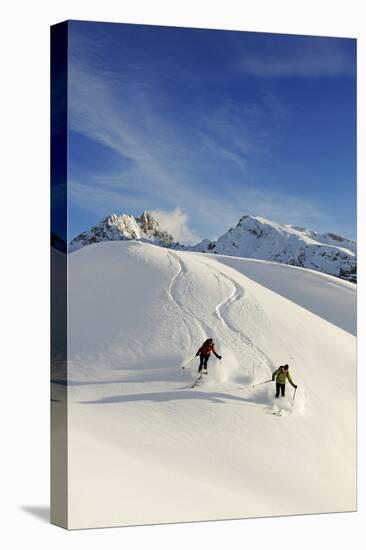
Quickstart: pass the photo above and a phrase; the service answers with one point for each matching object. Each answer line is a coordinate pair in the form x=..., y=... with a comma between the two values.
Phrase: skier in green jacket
x=280, y=375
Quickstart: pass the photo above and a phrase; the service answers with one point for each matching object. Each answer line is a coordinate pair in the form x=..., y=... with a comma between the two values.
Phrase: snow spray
x=227, y=369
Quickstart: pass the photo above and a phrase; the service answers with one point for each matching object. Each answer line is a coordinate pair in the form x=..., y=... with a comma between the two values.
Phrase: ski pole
x=186, y=365
x=260, y=383
x=293, y=399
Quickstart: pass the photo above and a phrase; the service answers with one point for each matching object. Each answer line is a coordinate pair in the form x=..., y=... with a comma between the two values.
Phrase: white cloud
x=176, y=223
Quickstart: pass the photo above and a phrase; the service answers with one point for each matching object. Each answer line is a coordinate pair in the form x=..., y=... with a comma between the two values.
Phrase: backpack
x=206, y=347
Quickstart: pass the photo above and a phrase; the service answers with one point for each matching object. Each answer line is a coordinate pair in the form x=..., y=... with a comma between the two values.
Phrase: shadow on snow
x=178, y=395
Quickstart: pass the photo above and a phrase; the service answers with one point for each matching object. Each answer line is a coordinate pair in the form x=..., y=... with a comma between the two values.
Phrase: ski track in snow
x=222, y=312
x=177, y=279
x=171, y=295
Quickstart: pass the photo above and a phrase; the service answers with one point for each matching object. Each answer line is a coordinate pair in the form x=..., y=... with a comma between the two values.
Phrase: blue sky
x=204, y=126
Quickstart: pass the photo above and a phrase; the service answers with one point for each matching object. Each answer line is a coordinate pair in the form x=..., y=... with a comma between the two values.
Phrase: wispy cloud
x=169, y=167
x=218, y=212
x=282, y=208
x=311, y=58
x=101, y=199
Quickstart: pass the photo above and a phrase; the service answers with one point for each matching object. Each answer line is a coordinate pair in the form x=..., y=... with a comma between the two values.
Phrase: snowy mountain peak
x=117, y=227
x=259, y=238
x=254, y=224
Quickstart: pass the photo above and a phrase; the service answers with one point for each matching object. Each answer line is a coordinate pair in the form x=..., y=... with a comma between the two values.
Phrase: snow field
x=146, y=448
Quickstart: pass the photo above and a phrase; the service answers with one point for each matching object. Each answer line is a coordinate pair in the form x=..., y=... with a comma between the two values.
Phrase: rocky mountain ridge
x=124, y=227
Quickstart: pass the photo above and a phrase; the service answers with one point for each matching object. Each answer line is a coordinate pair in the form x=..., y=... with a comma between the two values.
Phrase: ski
x=198, y=381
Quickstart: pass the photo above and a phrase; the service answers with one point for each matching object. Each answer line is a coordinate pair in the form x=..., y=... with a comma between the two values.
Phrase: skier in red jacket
x=204, y=352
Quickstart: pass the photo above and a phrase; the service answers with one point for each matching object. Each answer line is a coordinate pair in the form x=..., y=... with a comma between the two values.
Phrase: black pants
x=280, y=387
x=203, y=362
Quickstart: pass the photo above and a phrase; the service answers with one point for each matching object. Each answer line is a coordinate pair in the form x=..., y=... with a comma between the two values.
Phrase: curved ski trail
x=222, y=312
x=179, y=278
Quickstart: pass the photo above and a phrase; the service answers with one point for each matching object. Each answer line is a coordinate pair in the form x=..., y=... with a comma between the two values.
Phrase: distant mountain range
x=253, y=237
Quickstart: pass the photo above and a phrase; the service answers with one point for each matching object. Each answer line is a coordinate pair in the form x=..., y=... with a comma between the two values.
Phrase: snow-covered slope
x=256, y=237
x=124, y=227
x=145, y=448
